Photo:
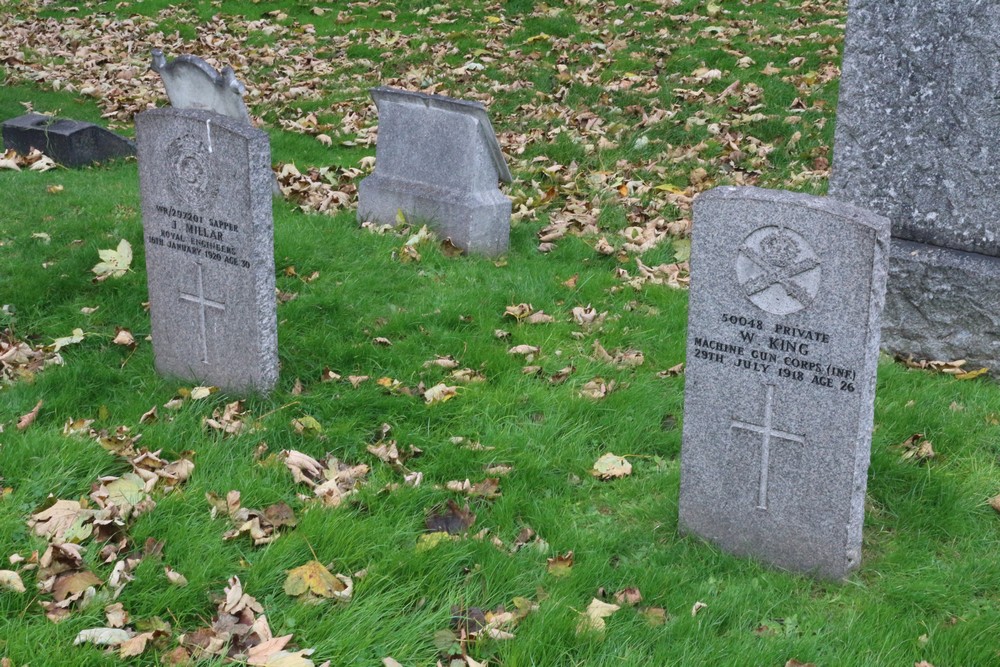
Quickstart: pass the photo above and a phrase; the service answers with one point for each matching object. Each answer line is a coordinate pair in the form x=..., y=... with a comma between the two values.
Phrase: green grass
x=929, y=586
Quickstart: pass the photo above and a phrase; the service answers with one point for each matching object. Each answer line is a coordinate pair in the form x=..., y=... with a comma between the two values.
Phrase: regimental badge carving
x=191, y=179
x=778, y=271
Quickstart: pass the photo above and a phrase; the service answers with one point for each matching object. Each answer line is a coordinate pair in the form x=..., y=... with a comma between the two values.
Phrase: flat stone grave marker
x=71, y=143
x=438, y=161
x=205, y=182
x=782, y=349
x=917, y=125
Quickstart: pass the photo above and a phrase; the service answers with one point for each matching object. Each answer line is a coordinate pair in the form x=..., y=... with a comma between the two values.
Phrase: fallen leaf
x=454, y=520
x=198, y=393
x=597, y=388
x=175, y=577
x=11, y=581
x=592, y=620
x=917, y=448
x=28, y=419
x=307, y=425
x=114, y=263
x=315, y=579
x=628, y=596
x=116, y=615
x=561, y=565
x=698, y=606
x=124, y=337
x=440, y=393
x=611, y=466
x=103, y=636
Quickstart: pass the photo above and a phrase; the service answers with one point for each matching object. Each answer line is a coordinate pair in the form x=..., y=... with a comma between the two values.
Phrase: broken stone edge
x=475, y=109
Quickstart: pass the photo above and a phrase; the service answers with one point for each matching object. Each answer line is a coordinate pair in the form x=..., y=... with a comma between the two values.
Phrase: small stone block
x=782, y=350
x=205, y=182
x=71, y=143
x=438, y=162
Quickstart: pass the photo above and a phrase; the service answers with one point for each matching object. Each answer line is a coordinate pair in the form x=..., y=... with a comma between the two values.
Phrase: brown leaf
x=628, y=596
x=917, y=448
x=597, y=388
x=440, y=393
x=124, y=337
x=454, y=520
x=28, y=419
x=995, y=503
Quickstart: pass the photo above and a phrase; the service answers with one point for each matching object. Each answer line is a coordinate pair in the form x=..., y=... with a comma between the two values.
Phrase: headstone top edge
x=473, y=109
x=226, y=122
x=827, y=205
x=223, y=79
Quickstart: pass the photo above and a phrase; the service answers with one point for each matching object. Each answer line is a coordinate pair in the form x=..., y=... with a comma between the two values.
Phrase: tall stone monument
x=917, y=128
x=438, y=161
x=205, y=181
x=782, y=349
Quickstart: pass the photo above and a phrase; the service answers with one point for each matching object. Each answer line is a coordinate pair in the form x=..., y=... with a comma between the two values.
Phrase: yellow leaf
x=314, y=578
x=611, y=466
x=972, y=374
x=593, y=619
x=59, y=343
x=199, y=393
x=114, y=263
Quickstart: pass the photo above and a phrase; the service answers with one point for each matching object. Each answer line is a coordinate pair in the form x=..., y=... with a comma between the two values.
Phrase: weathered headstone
x=438, y=161
x=783, y=332
x=71, y=143
x=917, y=125
x=192, y=83
x=205, y=181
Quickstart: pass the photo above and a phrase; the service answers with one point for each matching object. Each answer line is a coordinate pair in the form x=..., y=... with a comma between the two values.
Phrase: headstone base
x=476, y=222
x=942, y=304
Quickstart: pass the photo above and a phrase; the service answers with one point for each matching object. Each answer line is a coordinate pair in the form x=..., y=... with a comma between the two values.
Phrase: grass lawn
x=613, y=115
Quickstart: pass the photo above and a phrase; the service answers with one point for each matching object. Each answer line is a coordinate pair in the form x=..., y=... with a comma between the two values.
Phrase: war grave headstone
x=917, y=126
x=782, y=350
x=438, y=161
x=71, y=143
x=205, y=181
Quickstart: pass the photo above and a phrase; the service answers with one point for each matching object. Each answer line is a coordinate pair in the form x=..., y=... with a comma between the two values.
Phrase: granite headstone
x=205, y=182
x=71, y=143
x=438, y=161
x=917, y=123
x=782, y=349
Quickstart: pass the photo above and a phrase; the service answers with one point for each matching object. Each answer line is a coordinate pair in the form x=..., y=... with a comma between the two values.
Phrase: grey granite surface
x=205, y=182
x=919, y=117
x=782, y=349
x=943, y=304
x=438, y=161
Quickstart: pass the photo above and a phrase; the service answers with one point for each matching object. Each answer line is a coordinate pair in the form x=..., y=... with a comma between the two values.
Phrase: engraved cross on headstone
x=203, y=303
x=768, y=432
